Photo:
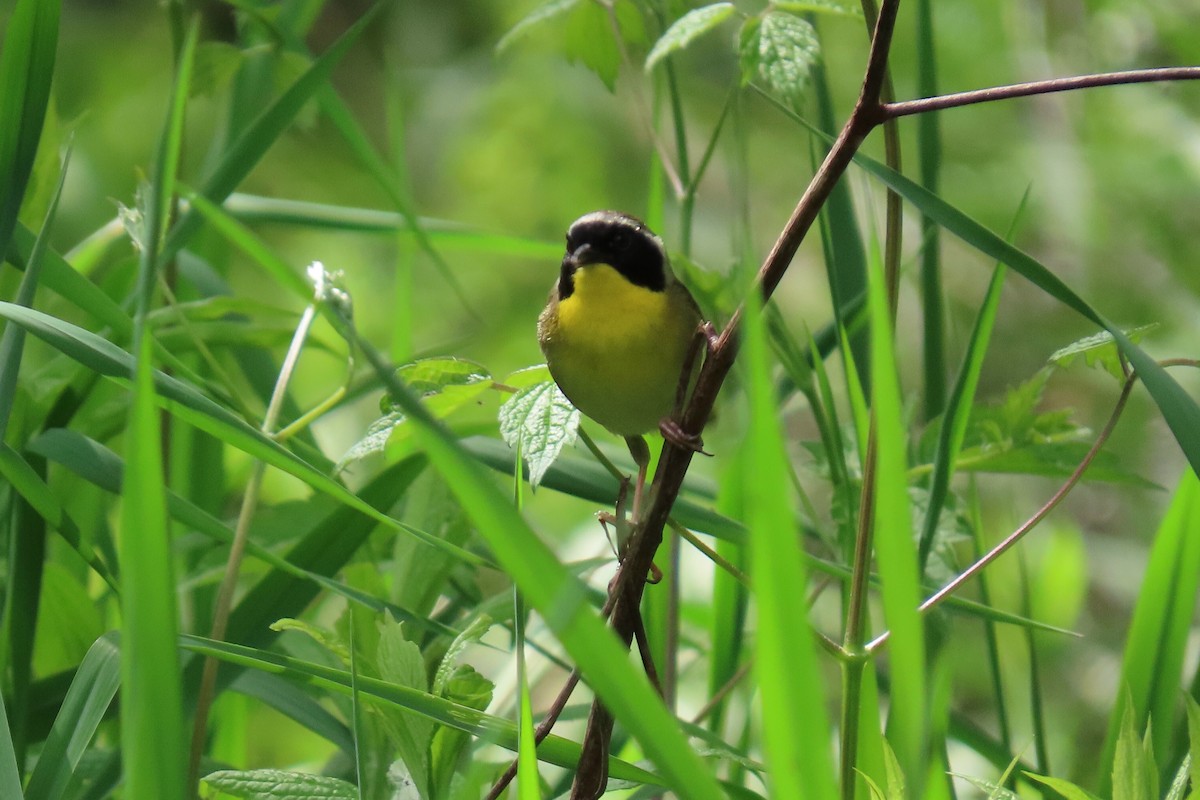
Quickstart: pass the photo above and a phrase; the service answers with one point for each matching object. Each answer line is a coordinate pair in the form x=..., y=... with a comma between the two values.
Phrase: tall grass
x=201, y=501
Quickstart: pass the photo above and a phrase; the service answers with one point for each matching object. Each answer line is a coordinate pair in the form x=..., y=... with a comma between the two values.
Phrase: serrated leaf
x=539, y=422
x=445, y=384
x=528, y=376
x=542, y=13
x=399, y=662
x=374, y=441
x=431, y=375
x=468, y=688
x=327, y=639
x=274, y=784
x=687, y=29
x=1052, y=460
x=1133, y=771
x=472, y=633
x=1063, y=787
x=589, y=40
x=781, y=49
x=216, y=64
x=895, y=774
x=822, y=7
x=1099, y=350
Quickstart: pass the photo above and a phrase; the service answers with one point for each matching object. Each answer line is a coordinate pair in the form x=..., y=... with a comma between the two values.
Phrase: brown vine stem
x=940, y=596
x=942, y=102
x=630, y=583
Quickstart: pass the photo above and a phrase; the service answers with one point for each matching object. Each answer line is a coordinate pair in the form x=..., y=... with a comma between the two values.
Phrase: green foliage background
x=497, y=150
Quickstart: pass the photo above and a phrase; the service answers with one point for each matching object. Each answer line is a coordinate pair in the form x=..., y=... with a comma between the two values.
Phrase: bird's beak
x=584, y=254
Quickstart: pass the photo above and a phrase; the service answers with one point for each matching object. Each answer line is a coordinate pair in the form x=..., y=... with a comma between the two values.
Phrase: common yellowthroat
x=618, y=330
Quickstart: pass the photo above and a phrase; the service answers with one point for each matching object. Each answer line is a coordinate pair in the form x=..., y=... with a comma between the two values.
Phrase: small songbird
x=618, y=329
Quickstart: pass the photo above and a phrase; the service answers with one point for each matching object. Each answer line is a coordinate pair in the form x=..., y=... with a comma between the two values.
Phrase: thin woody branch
x=908, y=107
x=630, y=582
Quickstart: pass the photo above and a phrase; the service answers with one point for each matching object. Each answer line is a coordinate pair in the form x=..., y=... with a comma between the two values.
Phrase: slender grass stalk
x=237, y=550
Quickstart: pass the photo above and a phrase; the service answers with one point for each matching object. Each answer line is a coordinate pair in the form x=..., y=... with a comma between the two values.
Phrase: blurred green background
x=524, y=141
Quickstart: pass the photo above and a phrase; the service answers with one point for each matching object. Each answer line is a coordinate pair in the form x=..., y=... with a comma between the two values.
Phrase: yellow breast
x=616, y=350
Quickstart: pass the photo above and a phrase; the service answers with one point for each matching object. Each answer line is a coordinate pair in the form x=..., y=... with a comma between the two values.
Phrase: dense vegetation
x=290, y=508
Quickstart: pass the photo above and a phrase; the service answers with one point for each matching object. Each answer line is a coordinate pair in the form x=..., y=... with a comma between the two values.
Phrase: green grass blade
x=1155, y=646
x=1178, y=409
x=958, y=412
x=446, y=234
x=26, y=69
x=37, y=493
x=13, y=340
x=10, y=776
x=587, y=480
x=152, y=727
x=559, y=597
x=841, y=238
x=194, y=408
x=97, y=464
x=553, y=750
x=83, y=709
x=929, y=156
x=254, y=142
x=796, y=733
x=527, y=759
x=895, y=554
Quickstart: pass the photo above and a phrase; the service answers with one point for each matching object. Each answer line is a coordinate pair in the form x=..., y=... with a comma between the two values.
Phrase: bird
x=618, y=331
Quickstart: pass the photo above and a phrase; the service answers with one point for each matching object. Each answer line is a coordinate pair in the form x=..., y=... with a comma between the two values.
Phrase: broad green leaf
x=779, y=48
x=796, y=733
x=83, y=709
x=687, y=29
x=539, y=15
x=274, y=784
x=589, y=40
x=431, y=375
x=538, y=422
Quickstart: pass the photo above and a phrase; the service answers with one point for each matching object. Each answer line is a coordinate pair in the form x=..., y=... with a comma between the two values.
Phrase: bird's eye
x=622, y=241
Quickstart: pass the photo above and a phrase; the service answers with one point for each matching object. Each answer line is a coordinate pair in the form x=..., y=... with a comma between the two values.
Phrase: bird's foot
x=674, y=433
